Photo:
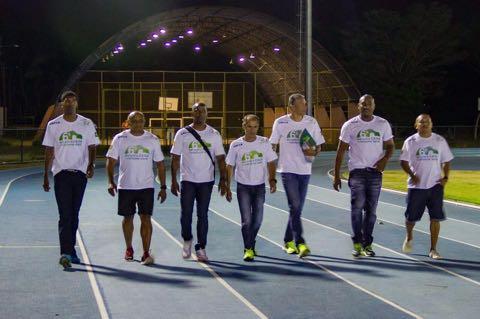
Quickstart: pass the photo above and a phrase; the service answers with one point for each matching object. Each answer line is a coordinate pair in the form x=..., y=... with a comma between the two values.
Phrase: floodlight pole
x=475, y=134
x=308, y=61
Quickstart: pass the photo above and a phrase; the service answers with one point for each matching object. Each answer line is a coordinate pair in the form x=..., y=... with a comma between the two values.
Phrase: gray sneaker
x=202, y=255
x=187, y=249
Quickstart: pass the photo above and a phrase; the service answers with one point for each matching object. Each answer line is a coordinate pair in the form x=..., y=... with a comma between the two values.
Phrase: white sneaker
x=407, y=246
x=202, y=255
x=434, y=254
x=149, y=260
x=187, y=249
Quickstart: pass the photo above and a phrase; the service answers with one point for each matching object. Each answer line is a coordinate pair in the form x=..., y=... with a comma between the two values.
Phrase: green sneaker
x=357, y=250
x=65, y=261
x=248, y=255
x=303, y=250
x=368, y=251
x=291, y=248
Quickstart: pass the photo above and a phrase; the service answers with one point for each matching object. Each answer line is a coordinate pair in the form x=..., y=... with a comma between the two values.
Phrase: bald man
x=426, y=159
x=365, y=137
x=137, y=150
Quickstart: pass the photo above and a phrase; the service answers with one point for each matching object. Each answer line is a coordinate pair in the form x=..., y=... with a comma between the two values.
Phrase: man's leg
x=244, y=203
x=373, y=188
x=145, y=200
x=297, y=227
x=203, y=195
x=416, y=202
x=434, y=233
x=435, y=210
x=127, y=227
x=356, y=182
x=257, y=211
x=78, y=191
x=290, y=184
x=63, y=195
x=187, y=199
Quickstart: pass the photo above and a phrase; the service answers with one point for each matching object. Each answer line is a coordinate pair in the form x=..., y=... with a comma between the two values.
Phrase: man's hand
x=228, y=196
x=90, y=170
x=443, y=181
x=222, y=187
x=273, y=186
x=337, y=183
x=174, y=188
x=46, y=183
x=311, y=151
x=380, y=165
x=112, y=188
x=414, y=179
x=162, y=194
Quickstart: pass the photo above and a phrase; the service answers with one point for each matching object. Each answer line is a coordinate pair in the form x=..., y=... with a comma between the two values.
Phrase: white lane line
x=386, y=248
x=216, y=276
x=395, y=205
x=390, y=222
x=5, y=191
x=28, y=246
x=336, y=275
x=34, y=200
x=93, y=281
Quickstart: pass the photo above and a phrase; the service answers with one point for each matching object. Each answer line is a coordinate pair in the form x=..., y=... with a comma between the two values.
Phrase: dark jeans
x=69, y=189
x=191, y=192
x=365, y=185
x=250, y=199
x=296, y=189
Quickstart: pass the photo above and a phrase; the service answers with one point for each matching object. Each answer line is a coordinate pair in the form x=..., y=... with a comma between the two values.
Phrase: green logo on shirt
x=427, y=153
x=137, y=152
x=196, y=147
x=294, y=136
x=252, y=158
x=368, y=136
x=70, y=138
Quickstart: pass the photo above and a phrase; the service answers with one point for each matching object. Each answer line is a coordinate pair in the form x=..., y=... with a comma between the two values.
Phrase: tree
x=400, y=57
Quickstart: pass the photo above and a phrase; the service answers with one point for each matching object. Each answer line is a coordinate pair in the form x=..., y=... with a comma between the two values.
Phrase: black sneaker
x=368, y=251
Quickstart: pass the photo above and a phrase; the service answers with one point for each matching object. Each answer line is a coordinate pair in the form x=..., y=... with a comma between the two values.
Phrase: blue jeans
x=296, y=189
x=69, y=190
x=191, y=192
x=250, y=200
x=365, y=185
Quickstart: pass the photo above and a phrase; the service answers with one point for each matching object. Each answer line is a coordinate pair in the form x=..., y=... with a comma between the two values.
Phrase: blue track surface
x=327, y=284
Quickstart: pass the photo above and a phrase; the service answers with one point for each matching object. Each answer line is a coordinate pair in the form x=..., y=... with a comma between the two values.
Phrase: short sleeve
x=345, y=134
x=446, y=154
x=113, y=149
x=49, y=139
x=275, y=137
x=92, y=136
x=317, y=134
x=387, y=134
x=218, y=146
x=270, y=155
x=157, y=151
x=177, y=143
x=231, y=156
x=405, y=153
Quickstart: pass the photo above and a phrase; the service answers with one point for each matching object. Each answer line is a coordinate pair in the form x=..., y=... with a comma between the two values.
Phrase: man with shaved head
x=136, y=149
x=365, y=137
x=426, y=159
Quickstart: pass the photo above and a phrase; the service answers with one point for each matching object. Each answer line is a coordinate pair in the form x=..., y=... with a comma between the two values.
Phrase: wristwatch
x=273, y=180
x=163, y=187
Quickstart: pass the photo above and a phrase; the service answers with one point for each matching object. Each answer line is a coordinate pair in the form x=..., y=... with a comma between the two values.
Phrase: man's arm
x=272, y=181
x=342, y=148
x=174, y=188
x=49, y=154
x=161, y=176
x=110, y=167
x=406, y=168
x=223, y=174
x=92, y=153
x=446, y=173
x=228, y=182
x=389, y=148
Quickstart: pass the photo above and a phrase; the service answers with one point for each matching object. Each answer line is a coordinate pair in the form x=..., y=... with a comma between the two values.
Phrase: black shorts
x=418, y=199
x=129, y=199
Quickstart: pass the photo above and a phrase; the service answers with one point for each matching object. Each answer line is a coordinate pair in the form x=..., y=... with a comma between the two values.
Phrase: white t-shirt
x=365, y=140
x=136, y=155
x=250, y=160
x=425, y=157
x=70, y=141
x=195, y=164
x=287, y=132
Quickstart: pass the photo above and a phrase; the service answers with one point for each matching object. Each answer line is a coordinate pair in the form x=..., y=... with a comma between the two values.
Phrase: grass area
x=462, y=186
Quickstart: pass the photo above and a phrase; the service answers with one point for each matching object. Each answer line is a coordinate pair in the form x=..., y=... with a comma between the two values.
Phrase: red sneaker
x=129, y=254
x=147, y=259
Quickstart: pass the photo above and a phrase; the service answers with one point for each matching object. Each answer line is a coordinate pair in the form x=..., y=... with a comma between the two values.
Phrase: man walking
x=136, y=149
x=424, y=156
x=70, y=147
x=195, y=149
x=295, y=165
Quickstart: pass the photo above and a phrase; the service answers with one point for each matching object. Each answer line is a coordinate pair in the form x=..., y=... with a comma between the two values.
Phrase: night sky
x=55, y=36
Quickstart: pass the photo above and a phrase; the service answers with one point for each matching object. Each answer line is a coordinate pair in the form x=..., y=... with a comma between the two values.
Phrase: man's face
x=199, y=114
x=300, y=106
x=251, y=128
x=366, y=106
x=136, y=121
x=424, y=124
x=70, y=104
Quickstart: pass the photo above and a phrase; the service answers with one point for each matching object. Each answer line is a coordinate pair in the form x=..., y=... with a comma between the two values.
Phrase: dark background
x=55, y=36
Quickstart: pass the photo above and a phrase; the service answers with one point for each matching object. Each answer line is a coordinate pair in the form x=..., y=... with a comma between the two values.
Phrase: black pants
x=69, y=189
